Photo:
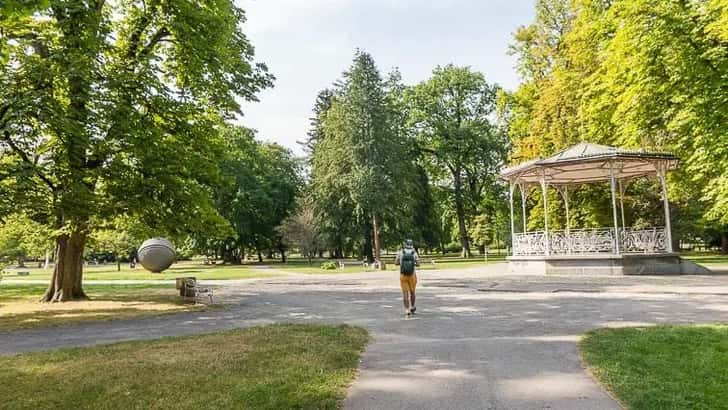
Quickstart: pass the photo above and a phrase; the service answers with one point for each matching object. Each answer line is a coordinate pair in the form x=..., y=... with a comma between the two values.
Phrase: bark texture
x=67, y=274
x=460, y=212
x=367, y=245
x=377, y=244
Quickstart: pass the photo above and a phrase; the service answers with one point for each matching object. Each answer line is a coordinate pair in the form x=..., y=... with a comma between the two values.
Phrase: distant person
x=407, y=259
x=133, y=259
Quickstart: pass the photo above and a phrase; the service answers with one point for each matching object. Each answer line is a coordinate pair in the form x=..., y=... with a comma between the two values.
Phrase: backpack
x=407, y=262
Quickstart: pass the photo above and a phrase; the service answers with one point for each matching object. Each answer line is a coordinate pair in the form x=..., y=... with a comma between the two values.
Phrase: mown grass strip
x=268, y=367
x=662, y=367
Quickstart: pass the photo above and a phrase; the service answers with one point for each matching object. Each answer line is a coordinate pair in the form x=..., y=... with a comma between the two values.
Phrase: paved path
x=482, y=339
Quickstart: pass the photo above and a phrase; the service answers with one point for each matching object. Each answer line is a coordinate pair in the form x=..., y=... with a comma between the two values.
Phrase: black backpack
x=407, y=262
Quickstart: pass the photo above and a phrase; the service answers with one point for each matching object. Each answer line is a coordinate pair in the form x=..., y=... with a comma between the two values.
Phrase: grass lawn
x=663, y=367
x=270, y=367
x=449, y=262
x=247, y=271
x=196, y=269
x=707, y=258
x=19, y=306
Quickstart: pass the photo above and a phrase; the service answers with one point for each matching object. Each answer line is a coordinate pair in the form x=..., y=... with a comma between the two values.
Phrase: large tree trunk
x=377, y=244
x=367, y=250
x=66, y=280
x=460, y=212
x=724, y=243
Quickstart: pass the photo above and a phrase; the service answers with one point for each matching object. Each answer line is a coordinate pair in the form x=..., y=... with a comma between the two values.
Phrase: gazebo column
x=617, y=238
x=523, y=205
x=564, y=191
x=513, y=224
x=544, y=189
x=661, y=175
x=622, y=188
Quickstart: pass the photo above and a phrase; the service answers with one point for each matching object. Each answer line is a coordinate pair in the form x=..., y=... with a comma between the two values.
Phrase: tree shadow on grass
x=21, y=309
x=45, y=318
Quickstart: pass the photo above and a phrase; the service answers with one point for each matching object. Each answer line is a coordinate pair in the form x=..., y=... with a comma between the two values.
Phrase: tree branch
x=156, y=38
x=27, y=160
x=136, y=35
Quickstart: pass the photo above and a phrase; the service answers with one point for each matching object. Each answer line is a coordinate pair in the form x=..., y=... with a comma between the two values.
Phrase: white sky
x=308, y=43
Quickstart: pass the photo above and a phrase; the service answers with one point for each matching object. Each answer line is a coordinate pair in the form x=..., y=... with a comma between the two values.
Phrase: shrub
x=328, y=265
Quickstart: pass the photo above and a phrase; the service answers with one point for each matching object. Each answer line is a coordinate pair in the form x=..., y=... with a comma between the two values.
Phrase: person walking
x=407, y=259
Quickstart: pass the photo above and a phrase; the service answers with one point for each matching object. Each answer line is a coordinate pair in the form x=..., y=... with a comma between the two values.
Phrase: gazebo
x=607, y=250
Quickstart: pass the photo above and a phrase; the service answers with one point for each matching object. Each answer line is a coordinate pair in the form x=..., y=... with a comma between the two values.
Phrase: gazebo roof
x=584, y=163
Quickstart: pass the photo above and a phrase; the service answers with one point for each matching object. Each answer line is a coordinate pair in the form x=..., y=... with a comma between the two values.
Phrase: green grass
x=20, y=291
x=109, y=272
x=663, y=367
x=248, y=271
x=707, y=259
x=270, y=367
x=20, y=309
x=352, y=266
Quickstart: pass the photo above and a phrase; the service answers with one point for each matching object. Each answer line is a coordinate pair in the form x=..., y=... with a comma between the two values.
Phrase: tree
x=358, y=164
x=261, y=182
x=114, y=240
x=324, y=99
x=114, y=109
x=452, y=117
x=301, y=230
x=21, y=239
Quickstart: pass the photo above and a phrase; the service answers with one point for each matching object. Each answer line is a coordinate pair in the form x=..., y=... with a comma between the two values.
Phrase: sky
x=307, y=44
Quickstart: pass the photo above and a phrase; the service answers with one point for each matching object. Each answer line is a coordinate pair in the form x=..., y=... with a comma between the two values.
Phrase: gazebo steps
x=606, y=264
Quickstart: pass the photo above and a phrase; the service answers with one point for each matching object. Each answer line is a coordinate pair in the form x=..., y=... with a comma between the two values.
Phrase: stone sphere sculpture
x=156, y=254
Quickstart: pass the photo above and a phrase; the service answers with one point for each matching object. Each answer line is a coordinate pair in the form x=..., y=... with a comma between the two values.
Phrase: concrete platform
x=606, y=264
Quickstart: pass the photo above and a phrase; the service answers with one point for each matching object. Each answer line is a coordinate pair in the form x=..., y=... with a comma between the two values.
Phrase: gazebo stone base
x=629, y=264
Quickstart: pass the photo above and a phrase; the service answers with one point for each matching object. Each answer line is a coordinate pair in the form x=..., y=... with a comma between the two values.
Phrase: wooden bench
x=191, y=290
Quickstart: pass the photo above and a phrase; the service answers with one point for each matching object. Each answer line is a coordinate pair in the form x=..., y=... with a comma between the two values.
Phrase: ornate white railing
x=650, y=240
x=529, y=243
x=590, y=241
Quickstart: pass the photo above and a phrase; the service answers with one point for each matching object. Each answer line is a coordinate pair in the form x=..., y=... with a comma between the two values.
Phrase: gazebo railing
x=648, y=240
x=590, y=241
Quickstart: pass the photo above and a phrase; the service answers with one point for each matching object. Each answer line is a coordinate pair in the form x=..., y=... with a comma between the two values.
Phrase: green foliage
x=114, y=109
x=328, y=265
x=261, y=183
x=638, y=74
x=360, y=162
x=451, y=115
x=360, y=123
x=22, y=238
x=418, y=161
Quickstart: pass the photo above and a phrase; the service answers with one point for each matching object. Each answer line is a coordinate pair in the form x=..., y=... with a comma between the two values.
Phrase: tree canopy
x=452, y=116
x=113, y=109
x=636, y=74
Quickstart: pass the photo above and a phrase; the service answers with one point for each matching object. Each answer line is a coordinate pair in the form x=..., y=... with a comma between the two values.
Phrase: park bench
x=191, y=290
